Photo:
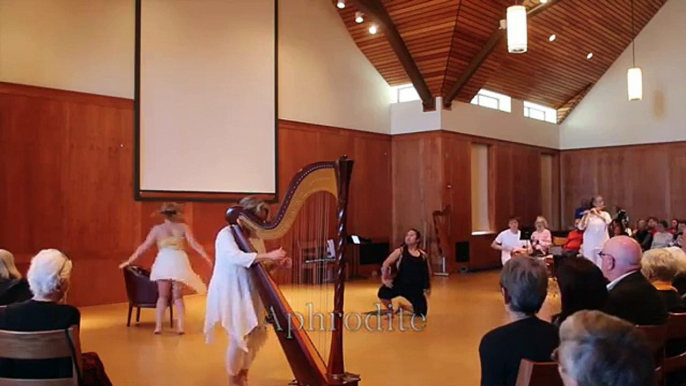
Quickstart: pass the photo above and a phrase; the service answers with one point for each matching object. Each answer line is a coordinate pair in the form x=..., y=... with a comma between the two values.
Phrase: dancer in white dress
x=594, y=223
x=233, y=300
x=171, y=267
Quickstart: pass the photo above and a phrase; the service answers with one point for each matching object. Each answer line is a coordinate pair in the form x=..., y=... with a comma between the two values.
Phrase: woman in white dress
x=594, y=223
x=171, y=267
x=233, y=300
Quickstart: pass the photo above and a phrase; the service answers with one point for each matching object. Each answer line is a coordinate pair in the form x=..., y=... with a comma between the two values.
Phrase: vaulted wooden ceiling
x=446, y=37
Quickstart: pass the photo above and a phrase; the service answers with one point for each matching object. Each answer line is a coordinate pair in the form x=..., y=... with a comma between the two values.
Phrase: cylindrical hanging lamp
x=516, y=29
x=634, y=77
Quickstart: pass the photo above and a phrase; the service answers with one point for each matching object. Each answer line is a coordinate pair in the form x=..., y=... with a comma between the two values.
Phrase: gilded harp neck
x=318, y=177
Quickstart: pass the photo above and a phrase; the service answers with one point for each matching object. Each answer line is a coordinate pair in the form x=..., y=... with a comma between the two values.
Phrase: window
x=542, y=113
x=481, y=219
x=405, y=93
x=492, y=100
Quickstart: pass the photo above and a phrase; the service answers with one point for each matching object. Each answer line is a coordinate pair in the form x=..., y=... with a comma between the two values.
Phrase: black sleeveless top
x=413, y=272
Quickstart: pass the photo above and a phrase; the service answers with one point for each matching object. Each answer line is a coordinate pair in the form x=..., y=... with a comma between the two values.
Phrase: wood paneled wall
x=647, y=180
x=66, y=171
x=433, y=170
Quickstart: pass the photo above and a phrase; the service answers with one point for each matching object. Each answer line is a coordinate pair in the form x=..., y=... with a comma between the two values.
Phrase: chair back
x=657, y=340
x=538, y=374
x=139, y=289
x=41, y=345
x=676, y=336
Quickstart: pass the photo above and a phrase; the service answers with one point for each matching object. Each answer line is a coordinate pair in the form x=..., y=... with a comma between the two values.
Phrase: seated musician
x=232, y=298
x=413, y=280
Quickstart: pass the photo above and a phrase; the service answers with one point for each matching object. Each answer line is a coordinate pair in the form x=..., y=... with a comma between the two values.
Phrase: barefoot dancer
x=413, y=280
x=171, y=267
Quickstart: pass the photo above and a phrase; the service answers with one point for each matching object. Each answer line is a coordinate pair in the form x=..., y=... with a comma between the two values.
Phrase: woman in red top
x=574, y=238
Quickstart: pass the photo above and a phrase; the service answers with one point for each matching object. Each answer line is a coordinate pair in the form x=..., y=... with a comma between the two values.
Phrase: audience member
x=509, y=242
x=582, y=287
x=631, y=296
x=652, y=225
x=673, y=226
x=541, y=238
x=662, y=237
x=643, y=235
x=579, y=212
x=679, y=281
x=524, y=283
x=660, y=268
x=48, y=277
x=598, y=349
x=574, y=239
x=13, y=288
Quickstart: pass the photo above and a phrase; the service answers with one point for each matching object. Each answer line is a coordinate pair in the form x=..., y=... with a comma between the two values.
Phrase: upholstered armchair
x=142, y=292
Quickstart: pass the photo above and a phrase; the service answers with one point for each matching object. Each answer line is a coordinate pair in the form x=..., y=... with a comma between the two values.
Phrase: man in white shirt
x=509, y=242
x=630, y=295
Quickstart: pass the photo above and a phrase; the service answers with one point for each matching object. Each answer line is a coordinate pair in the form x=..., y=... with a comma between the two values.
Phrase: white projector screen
x=207, y=97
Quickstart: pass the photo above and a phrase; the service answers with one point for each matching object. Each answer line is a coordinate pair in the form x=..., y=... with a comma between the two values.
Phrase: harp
x=318, y=193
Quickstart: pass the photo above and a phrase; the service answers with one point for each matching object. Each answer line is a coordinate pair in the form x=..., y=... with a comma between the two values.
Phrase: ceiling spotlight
x=552, y=38
x=544, y=1
x=373, y=29
x=340, y=4
x=358, y=17
x=590, y=55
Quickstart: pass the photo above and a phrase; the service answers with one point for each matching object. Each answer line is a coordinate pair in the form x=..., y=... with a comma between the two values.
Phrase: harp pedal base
x=294, y=383
x=348, y=379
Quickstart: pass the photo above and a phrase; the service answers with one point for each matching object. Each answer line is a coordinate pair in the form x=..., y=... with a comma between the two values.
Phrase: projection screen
x=206, y=97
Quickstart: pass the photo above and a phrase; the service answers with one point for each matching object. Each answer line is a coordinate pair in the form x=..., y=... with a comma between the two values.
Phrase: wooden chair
x=538, y=374
x=41, y=345
x=676, y=333
x=142, y=293
x=657, y=340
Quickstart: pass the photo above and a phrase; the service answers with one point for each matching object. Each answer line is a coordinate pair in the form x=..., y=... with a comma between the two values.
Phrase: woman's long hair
x=8, y=270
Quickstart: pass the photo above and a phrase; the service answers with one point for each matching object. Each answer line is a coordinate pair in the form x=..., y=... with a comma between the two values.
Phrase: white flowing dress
x=595, y=236
x=233, y=300
x=172, y=263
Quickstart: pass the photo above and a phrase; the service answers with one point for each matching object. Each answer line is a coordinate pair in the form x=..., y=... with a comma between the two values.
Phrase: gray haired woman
x=13, y=288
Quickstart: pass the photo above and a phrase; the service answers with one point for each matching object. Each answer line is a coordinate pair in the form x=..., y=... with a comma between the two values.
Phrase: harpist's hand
x=124, y=265
x=277, y=254
x=387, y=282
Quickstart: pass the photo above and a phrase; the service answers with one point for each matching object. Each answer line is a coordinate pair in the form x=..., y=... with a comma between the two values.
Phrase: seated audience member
x=673, y=226
x=579, y=212
x=617, y=229
x=48, y=278
x=643, y=235
x=13, y=288
x=660, y=268
x=679, y=281
x=679, y=235
x=652, y=225
x=630, y=295
x=509, y=242
x=582, y=287
x=524, y=283
x=662, y=238
x=598, y=349
x=574, y=239
x=541, y=238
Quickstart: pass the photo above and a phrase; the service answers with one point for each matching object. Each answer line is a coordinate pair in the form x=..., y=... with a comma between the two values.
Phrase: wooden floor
x=461, y=309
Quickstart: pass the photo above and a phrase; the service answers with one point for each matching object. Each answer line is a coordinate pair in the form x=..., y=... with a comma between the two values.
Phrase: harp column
x=344, y=169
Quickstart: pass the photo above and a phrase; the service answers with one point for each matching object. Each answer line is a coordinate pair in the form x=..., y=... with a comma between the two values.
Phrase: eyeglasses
x=603, y=254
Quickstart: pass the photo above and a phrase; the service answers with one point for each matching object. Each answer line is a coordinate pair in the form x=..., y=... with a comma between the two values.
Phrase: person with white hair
x=660, y=267
x=48, y=277
x=13, y=288
x=599, y=349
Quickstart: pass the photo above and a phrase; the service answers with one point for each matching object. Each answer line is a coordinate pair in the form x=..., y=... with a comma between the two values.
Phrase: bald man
x=631, y=296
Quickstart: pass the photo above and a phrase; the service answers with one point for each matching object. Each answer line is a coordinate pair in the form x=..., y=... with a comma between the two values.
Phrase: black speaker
x=374, y=253
x=462, y=251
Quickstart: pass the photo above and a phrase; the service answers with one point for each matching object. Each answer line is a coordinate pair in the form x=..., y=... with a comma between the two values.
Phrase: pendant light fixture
x=634, y=76
x=516, y=29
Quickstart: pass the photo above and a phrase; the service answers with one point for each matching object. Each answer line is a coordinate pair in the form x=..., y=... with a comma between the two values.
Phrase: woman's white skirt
x=173, y=264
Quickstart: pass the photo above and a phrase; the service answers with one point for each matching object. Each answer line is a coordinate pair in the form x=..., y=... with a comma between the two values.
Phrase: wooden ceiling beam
x=566, y=109
x=485, y=52
x=375, y=10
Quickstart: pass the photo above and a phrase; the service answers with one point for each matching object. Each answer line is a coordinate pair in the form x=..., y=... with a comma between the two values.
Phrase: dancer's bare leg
x=164, y=290
x=180, y=307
